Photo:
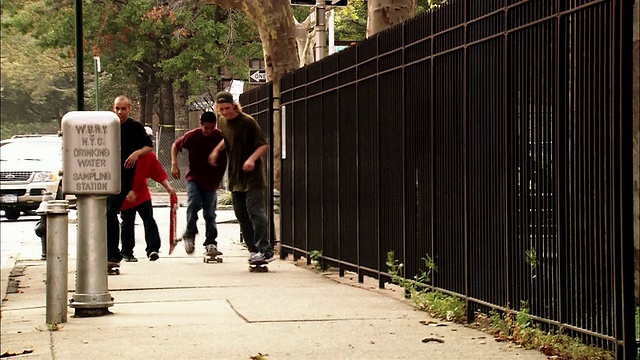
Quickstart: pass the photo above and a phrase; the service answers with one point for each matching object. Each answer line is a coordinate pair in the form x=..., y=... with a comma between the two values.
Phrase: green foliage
x=351, y=21
x=225, y=197
x=37, y=85
x=520, y=328
x=139, y=42
x=8, y=128
x=315, y=255
x=424, y=5
x=531, y=258
x=316, y=259
x=435, y=303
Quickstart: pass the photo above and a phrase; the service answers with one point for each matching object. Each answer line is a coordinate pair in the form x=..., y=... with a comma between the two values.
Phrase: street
x=18, y=238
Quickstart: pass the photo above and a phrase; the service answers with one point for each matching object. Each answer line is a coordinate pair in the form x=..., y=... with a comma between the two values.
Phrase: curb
x=6, y=272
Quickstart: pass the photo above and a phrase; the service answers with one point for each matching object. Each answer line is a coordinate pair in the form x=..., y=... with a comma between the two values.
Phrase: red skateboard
x=173, y=240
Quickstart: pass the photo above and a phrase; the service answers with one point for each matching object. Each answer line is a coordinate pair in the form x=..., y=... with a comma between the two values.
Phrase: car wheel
x=12, y=214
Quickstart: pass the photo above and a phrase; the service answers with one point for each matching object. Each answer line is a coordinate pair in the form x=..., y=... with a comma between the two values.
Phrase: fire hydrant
x=41, y=225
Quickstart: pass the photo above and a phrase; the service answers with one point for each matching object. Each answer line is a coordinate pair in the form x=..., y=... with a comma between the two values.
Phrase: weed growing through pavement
x=435, y=303
x=316, y=258
x=516, y=326
x=519, y=327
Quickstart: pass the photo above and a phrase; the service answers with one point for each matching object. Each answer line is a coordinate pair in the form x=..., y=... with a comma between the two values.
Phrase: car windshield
x=31, y=150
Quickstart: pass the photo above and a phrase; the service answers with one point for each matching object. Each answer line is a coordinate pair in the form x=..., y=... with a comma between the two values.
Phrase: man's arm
x=259, y=152
x=250, y=163
x=175, y=170
x=168, y=187
x=131, y=160
x=213, y=157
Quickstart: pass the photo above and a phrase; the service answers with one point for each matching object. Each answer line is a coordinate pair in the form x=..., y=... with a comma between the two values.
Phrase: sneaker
x=153, y=256
x=189, y=244
x=258, y=257
x=130, y=258
x=212, y=250
x=251, y=255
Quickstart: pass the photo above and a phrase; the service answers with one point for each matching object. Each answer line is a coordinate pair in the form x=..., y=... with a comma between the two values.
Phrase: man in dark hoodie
x=134, y=142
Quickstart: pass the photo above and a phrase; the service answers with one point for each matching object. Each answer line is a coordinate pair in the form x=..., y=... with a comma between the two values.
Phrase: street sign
x=326, y=2
x=257, y=76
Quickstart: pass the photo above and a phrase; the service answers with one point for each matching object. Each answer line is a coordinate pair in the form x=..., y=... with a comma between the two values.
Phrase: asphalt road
x=18, y=238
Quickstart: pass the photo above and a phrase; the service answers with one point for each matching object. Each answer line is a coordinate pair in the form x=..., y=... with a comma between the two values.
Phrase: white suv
x=30, y=165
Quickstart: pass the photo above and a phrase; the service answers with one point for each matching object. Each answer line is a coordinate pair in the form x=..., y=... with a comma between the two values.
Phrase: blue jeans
x=250, y=211
x=205, y=200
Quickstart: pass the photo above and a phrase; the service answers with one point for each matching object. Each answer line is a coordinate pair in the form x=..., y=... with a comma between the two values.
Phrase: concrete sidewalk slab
x=181, y=308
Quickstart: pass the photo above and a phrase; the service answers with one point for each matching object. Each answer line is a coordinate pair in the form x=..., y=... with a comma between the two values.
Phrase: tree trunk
x=148, y=87
x=166, y=131
x=181, y=93
x=276, y=25
x=383, y=14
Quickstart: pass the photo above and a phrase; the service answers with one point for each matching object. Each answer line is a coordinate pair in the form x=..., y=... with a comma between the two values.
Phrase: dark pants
x=151, y=233
x=250, y=211
x=114, y=203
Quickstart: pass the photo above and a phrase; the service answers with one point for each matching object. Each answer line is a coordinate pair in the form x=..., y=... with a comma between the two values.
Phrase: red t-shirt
x=147, y=167
x=200, y=147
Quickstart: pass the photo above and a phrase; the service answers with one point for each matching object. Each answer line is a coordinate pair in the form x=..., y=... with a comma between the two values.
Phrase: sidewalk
x=181, y=308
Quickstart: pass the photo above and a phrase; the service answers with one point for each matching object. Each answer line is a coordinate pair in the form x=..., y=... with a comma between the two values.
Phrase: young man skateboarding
x=203, y=179
x=245, y=145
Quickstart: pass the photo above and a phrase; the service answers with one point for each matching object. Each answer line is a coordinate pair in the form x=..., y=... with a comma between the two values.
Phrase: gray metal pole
x=321, y=34
x=57, y=260
x=92, y=297
x=79, y=58
x=96, y=73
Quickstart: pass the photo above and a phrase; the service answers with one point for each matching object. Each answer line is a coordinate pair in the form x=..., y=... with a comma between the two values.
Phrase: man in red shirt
x=203, y=180
x=139, y=201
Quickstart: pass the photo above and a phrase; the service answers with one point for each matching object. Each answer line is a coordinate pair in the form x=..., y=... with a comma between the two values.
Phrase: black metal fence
x=492, y=136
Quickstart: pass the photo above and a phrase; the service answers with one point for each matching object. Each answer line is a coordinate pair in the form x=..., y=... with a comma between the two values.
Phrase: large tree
x=278, y=29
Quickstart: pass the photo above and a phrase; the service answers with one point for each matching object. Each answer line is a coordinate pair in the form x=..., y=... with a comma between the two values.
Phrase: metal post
x=96, y=63
x=92, y=297
x=79, y=58
x=332, y=33
x=321, y=35
x=57, y=260
x=41, y=226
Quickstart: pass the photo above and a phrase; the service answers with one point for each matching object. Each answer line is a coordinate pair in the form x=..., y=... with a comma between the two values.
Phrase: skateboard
x=113, y=268
x=259, y=266
x=212, y=258
x=173, y=239
x=215, y=257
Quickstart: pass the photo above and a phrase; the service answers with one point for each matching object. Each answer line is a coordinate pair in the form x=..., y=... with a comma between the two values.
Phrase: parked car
x=30, y=166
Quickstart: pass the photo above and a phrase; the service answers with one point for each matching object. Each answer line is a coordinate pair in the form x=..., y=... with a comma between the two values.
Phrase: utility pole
x=321, y=35
x=79, y=59
x=96, y=64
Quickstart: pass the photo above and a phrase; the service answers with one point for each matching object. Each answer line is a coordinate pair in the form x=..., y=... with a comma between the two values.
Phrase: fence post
x=57, y=237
